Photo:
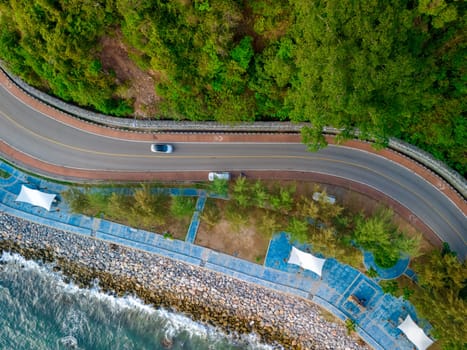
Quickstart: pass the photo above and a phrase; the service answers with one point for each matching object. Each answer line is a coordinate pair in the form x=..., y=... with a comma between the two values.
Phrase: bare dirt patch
x=178, y=227
x=134, y=83
x=242, y=241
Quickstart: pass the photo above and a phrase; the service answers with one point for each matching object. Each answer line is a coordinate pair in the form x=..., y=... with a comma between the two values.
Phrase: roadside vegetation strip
x=273, y=209
x=268, y=208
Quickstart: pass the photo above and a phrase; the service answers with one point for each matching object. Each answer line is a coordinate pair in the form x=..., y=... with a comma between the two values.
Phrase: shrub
x=380, y=236
x=4, y=174
x=298, y=230
x=211, y=214
x=182, y=206
x=372, y=273
x=351, y=325
x=390, y=287
x=76, y=199
x=219, y=186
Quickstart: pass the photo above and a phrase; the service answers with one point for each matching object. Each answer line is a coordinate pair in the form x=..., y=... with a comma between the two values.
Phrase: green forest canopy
x=389, y=68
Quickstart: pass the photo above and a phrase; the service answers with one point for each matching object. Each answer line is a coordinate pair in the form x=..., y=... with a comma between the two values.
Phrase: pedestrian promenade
x=338, y=288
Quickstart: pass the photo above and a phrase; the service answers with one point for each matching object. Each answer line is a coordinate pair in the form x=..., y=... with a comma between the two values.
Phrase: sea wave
x=42, y=310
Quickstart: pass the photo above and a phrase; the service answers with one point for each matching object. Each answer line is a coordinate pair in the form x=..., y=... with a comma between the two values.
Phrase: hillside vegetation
x=390, y=68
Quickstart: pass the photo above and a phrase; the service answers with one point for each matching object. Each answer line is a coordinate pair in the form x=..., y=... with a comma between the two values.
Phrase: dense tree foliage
x=379, y=235
x=384, y=68
x=52, y=44
x=389, y=68
x=442, y=297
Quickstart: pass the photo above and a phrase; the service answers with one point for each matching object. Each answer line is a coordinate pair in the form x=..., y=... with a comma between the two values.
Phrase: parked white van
x=219, y=175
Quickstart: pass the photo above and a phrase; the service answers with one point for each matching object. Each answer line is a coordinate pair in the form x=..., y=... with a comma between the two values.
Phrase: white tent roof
x=306, y=261
x=35, y=197
x=415, y=333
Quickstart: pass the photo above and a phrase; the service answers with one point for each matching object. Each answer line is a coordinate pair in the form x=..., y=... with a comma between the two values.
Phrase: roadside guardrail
x=424, y=158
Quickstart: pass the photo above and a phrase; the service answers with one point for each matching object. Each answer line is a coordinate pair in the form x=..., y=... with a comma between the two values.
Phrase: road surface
x=46, y=139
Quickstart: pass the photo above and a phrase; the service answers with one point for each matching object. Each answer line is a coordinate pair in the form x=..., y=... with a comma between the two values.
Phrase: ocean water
x=39, y=310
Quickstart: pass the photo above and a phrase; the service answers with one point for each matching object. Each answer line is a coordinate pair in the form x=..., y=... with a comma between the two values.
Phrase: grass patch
x=181, y=207
x=351, y=325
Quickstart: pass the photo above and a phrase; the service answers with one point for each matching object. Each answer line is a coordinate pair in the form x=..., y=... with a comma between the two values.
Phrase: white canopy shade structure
x=35, y=197
x=306, y=261
x=415, y=334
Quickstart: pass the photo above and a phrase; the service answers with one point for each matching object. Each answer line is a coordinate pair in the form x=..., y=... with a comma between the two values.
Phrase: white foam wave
x=19, y=260
x=126, y=302
x=172, y=323
x=180, y=323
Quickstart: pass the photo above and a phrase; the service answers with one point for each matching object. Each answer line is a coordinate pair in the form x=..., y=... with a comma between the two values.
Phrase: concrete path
x=376, y=321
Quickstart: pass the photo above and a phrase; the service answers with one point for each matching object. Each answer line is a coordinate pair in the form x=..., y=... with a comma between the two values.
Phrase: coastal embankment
x=209, y=297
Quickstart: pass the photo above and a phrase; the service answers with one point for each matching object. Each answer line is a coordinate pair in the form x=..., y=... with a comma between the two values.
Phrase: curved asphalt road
x=46, y=139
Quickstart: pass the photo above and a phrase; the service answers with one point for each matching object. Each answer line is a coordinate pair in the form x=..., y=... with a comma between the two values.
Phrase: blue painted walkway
x=391, y=273
x=377, y=320
x=193, y=229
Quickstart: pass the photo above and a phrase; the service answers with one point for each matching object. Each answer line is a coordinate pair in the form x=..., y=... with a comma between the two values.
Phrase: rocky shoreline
x=230, y=304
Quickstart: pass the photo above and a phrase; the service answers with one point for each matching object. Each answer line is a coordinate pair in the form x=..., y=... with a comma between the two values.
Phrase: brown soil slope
x=134, y=83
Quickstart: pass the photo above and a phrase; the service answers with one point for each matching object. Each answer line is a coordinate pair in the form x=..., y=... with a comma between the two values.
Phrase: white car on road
x=162, y=148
